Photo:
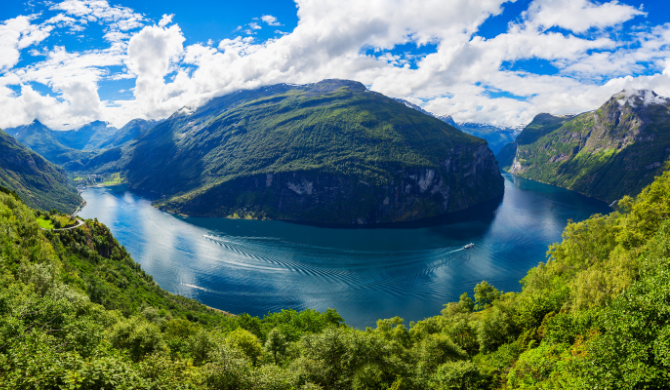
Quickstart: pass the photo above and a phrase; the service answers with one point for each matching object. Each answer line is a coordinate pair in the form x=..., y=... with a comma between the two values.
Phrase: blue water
x=366, y=274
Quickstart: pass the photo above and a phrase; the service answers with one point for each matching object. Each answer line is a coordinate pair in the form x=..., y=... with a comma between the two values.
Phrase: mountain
x=613, y=151
x=444, y=118
x=91, y=136
x=130, y=131
x=43, y=140
x=496, y=136
x=38, y=183
x=330, y=152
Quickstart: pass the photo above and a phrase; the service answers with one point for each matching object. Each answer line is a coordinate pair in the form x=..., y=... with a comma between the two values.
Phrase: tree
x=485, y=294
x=276, y=344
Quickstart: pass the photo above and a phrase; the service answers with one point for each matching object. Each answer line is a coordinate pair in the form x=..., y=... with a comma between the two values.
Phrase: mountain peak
x=639, y=97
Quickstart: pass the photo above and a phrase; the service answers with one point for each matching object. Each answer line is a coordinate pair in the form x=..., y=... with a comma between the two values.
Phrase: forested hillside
x=38, y=182
x=329, y=152
x=613, y=151
x=77, y=312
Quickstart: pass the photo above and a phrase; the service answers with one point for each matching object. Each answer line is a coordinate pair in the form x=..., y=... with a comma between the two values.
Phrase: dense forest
x=76, y=312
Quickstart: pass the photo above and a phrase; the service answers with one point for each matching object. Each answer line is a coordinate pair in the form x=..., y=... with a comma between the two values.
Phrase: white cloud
x=465, y=76
x=165, y=20
x=577, y=15
x=270, y=20
x=116, y=17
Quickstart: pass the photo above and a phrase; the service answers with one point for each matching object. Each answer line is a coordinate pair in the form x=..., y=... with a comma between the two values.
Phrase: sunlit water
x=366, y=274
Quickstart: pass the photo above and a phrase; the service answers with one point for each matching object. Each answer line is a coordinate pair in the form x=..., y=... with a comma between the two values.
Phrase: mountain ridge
x=607, y=153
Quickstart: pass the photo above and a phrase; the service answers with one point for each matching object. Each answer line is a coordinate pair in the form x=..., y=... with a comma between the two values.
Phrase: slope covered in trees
x=38, y=182
x=330, y=152
x=613, y=151
x=77, y=312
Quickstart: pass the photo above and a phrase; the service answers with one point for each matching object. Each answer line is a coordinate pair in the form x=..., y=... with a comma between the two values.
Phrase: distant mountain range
x=496, y=136
x=39, y=183
x=330, y=152
x=63, y=147
x=613, y=151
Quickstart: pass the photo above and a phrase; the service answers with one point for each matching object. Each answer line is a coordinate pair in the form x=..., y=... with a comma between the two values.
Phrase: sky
x=68, y=63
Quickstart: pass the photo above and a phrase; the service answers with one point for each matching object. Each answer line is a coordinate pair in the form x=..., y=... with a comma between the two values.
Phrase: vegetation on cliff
x=215, y=160
x=77, y=312
x=614, y=151
x=36, y=181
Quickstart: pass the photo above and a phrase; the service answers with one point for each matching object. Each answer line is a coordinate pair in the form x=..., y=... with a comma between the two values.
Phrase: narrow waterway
x=366, y=274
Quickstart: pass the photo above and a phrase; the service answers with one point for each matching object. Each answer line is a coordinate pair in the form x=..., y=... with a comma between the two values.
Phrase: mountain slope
x=129, y=132
x=43, y=140
x=88, y=137
x=541, y=125
x=38, y=183
x=611, y=152
x=330, y=152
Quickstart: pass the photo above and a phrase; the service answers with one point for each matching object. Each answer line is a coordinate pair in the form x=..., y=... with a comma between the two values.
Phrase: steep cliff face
x=608, y=153
x=322, y=197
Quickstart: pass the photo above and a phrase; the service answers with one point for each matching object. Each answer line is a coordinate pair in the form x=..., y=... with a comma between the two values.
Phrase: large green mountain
x=38, y=183
x=330, y=152
x=613, y=151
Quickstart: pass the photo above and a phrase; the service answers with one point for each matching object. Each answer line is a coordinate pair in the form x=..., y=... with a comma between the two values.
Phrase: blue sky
x=70, y=62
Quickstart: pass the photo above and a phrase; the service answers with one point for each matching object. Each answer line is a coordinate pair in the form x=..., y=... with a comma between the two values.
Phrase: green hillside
x=614, y=151
x=330, y=152
x=42, y=140
x=77, y=312
x=541, y=125
x=39, y=183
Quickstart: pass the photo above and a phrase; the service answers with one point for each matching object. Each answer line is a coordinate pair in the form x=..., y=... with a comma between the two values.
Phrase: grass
x=45, y=223
x=114, y=179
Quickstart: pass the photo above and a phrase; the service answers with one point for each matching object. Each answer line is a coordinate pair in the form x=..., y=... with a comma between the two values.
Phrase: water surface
x=366, y=274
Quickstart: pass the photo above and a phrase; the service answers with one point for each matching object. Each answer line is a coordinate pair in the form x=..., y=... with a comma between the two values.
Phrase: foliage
x=77, y=312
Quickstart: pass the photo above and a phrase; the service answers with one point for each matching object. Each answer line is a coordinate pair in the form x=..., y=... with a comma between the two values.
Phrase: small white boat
x=470, y=245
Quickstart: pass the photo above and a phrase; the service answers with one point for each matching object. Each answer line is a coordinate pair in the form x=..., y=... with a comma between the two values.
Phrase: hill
x=38, y=183
x=43, y=140
x=77, y=312
x=127, y=133
x=330, y=152
x=613, y=151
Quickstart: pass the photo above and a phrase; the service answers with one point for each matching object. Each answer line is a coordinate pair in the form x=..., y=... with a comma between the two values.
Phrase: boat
x=470, y=245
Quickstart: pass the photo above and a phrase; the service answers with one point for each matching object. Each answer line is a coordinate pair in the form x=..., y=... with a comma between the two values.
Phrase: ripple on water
x=261, y=266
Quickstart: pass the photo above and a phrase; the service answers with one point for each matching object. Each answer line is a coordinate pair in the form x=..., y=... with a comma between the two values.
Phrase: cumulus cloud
x=270, y=20
x=465, y=75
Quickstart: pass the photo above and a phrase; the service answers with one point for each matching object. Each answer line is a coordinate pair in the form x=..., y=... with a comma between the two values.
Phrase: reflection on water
x=366, y=274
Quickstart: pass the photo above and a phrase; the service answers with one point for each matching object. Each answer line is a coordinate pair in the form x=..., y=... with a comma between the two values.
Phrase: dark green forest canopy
x=77, y=312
